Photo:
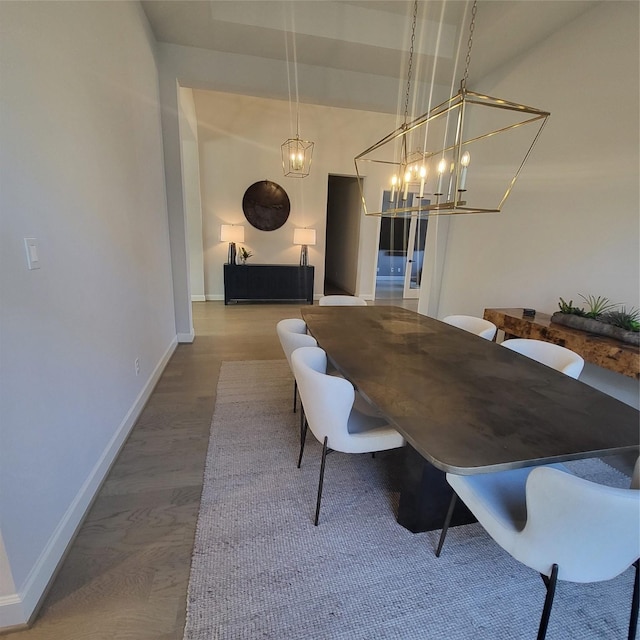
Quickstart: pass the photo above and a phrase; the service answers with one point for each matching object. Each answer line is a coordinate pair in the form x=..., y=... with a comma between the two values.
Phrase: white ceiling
x=367, y=36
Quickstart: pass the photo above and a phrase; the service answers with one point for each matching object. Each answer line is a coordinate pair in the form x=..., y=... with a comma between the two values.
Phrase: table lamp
x=231, y=233
x=304, y=237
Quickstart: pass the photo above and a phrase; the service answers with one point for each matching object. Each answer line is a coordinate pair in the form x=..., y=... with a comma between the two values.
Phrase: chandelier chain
x=410, y=65
x=472, y=25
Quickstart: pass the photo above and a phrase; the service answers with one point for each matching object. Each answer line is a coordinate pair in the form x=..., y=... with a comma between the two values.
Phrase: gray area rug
x=260, y=569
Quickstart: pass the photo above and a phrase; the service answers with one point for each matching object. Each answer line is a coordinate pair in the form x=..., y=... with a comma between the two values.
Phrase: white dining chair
x=331, y=416
x=292, y=333
x=553, y=355
x=342, y=301
x=560, y=525
x=479, y=326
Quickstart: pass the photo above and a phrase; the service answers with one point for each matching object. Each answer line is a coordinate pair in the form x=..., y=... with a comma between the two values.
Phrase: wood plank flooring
x=125, y=576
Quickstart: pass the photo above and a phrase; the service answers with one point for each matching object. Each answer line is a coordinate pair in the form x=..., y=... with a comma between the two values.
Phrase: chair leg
x=447, y=522
x=295, y=394
x=550, y=582
x=635, y=601
x=303, y=437
x=324, y=457
x=302, y=419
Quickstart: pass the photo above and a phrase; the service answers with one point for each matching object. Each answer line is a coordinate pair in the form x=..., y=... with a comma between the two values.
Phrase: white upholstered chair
x=292, y=333
x=553, y=355
x=331, y=416
x=479, y=326
x=560, y=525
x=342, y=301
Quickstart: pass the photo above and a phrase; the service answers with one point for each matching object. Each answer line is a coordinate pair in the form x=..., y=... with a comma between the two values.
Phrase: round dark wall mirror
x=266, y=205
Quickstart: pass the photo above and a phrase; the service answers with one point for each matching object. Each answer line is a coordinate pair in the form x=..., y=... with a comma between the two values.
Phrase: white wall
x=571, y=225
x=240, y=140
x=196, y=68
x=191, y=191
x=81, y=171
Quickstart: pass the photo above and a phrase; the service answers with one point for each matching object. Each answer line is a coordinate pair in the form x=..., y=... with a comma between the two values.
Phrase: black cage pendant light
x=463, y=156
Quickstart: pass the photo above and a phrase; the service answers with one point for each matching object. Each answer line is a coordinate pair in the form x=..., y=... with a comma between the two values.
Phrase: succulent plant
x=567, y=307
x=629, y=320
x=597, y=306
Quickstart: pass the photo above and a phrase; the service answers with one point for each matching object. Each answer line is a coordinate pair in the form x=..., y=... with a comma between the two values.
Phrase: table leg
x=425, y=495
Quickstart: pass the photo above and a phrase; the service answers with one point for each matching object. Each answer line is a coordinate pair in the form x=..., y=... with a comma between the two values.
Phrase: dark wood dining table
x=465, y=405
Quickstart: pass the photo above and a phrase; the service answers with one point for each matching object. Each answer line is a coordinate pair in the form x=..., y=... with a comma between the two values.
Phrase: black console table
x=267, y=283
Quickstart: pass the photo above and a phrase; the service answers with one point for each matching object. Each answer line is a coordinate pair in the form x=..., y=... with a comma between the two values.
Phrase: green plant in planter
x=567, y=307
x=601, y=318
x=597, y=306
x=629, y=320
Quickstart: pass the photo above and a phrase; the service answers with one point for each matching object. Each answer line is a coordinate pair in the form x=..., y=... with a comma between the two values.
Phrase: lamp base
x=304, y=256
x=231, y=257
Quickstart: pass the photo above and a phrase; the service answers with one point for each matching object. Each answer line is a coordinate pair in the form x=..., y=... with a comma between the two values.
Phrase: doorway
x=342, y=235
x=400, y=255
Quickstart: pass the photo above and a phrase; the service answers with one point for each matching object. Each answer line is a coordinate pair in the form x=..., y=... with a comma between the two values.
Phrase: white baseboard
x=186, y=337
x=17, y=609
x=214, y=297
x=12, y=613
x=198, y=298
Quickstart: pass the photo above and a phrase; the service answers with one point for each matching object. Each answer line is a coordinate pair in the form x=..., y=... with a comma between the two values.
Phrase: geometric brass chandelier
x=463, y=156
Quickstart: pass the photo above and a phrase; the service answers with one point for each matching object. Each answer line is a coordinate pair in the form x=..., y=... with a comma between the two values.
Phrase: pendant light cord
x=295, y=73
x=410, y=65
x=472, y=24
x=286, y=50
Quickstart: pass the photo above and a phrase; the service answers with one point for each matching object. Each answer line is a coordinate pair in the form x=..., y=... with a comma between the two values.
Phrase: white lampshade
x=231, y=233
x=304, y=236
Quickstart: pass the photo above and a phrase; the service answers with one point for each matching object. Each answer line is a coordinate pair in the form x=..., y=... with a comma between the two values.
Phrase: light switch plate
x=31, y=247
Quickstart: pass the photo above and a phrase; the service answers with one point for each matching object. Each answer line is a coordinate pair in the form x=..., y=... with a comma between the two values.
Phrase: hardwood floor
x=125, y=576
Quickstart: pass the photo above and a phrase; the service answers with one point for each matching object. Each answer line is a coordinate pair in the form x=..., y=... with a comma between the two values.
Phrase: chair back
x=589, y=530
x=342, y=301
x=547, y=353
x=479, y=326
x=327, y=400
x=635, y=478
x=292, y=333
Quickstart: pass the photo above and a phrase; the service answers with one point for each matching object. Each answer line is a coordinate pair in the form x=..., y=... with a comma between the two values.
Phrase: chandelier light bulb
x=452, y=179
x=464, y=161
x=407, y=180
x=442, y=167
x=297, y=161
